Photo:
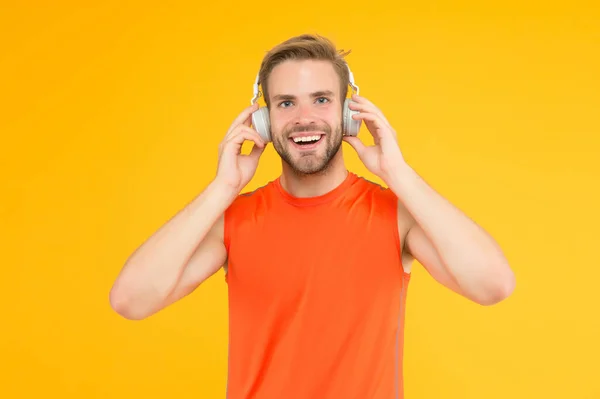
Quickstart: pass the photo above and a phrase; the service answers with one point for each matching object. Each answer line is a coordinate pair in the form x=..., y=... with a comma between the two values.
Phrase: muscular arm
x=456, y=251
x=453, y=248
x=177, y=258
x=416, y=244
x=208, y=258
x=189, y=248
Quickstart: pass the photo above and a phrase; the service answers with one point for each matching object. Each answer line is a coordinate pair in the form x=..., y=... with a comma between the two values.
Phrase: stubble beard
x=309, y=163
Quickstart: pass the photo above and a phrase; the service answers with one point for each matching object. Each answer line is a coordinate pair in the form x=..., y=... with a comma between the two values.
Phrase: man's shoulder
x=376, y=190
x=255, y=192
x=252, y=196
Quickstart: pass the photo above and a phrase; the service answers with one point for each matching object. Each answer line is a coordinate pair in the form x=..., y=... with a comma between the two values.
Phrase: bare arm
x=456, y=251
x=176, y=259
x=189, y=248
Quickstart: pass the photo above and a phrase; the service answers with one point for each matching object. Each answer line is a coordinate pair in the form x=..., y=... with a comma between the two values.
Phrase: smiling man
x=317, y=261
x=306, y=138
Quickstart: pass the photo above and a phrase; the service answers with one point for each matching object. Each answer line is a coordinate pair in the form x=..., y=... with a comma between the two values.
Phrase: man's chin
x=304, y=166
x=305, y=162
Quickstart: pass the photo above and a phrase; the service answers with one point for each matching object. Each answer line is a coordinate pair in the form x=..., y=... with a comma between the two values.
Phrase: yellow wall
x=110, y=120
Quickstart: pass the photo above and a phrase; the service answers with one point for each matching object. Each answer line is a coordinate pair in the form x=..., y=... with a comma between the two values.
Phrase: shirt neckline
x=319, y=199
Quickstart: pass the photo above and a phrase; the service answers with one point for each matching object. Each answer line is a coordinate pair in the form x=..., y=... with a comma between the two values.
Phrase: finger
x=372, y=120
x=356, y=143
x=235, y=141
x=256, y=152
x=243, y=128
x=245, y=117
x=248, y=121
x=247, y=134
x=364, y=105
x=254, y=133
x=244, y=134
x=234, y=146
x=367, y=108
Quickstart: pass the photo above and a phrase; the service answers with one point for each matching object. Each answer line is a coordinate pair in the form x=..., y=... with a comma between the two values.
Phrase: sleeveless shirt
x=316, y=294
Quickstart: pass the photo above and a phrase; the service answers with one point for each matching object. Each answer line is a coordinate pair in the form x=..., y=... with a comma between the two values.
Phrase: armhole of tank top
x=397, y=235
x=226, y=228
x=226, y=239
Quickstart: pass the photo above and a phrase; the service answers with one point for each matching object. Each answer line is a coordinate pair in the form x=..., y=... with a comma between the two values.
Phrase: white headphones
x=261, y=123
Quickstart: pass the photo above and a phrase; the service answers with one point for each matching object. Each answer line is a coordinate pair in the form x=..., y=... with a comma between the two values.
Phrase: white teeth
x=306, y=138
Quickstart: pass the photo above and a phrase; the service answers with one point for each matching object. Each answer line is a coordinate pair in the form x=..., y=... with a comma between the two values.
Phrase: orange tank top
x=316, y=294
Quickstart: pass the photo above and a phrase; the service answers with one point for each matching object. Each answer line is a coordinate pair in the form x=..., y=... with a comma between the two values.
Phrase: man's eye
x=322, y=100
x=285, y=103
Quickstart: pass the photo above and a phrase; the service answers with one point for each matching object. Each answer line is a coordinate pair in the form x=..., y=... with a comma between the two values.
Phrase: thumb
x=256, y=152
x=355, y=143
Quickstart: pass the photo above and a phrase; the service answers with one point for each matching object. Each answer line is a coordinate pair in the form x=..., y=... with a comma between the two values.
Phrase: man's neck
x=313, y=185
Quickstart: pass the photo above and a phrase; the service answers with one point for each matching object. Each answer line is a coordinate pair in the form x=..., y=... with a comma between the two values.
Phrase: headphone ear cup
x=261, y=123
x=351, y=126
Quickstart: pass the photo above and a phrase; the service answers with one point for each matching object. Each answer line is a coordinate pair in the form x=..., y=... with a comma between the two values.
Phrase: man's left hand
x=384, y=157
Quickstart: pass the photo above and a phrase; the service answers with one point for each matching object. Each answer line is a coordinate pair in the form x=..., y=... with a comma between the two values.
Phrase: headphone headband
x=257, y=93
x=351, y=79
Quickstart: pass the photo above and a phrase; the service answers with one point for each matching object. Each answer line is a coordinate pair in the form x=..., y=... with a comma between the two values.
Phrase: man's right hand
x=234, y=169
x=189, y=247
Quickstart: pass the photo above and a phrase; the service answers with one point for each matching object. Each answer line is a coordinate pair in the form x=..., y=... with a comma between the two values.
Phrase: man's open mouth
x=305, y=141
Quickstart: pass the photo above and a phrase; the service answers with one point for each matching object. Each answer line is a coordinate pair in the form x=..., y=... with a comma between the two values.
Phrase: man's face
x=306, y=114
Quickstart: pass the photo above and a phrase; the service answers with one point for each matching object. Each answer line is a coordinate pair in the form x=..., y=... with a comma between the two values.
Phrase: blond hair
x=305, y=47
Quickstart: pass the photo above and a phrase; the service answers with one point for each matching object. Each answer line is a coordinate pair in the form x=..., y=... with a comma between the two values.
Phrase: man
x=317, y=261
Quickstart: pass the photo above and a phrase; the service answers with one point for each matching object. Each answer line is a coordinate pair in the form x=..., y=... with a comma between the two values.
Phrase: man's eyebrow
x=283, y=97
x=322, y=93
x=286, y=97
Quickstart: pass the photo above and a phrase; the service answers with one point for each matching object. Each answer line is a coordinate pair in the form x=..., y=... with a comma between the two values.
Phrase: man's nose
x=304, y=115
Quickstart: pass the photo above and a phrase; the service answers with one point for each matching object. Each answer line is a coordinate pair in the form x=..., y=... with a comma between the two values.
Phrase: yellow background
x=111, y=116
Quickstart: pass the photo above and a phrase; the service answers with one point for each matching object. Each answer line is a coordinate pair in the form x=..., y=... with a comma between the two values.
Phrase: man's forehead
x=303, y=78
